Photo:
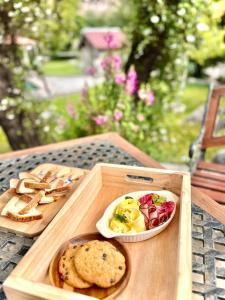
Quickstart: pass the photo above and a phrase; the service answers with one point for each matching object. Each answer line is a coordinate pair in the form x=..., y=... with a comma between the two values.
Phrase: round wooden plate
x=94, y=291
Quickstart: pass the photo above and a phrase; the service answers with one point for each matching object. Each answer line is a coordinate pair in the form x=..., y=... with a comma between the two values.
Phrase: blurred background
x=71, y=68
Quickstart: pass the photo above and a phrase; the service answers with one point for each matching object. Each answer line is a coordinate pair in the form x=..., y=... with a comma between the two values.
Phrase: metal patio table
x=208, y=234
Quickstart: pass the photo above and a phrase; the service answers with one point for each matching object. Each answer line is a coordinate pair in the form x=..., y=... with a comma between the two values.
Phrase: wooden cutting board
x=49, y=211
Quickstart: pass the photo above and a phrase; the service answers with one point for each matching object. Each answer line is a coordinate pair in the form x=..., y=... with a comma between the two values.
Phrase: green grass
x=61, y=68
x=61, y=102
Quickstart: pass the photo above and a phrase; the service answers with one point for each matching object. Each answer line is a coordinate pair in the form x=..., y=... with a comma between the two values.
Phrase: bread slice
x=37, y=185
x=32, y=215
x=22, y=189
x=62, y=172
x=14, y=205
x=33, y=203
x=46, y=200
x=26, y=197
x=60, y=190
x=13, y=183
x=27, y=175
x=48, y=176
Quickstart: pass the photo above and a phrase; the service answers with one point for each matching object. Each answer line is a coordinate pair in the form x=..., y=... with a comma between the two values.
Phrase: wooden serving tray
x=160, y=267
x=34, y=228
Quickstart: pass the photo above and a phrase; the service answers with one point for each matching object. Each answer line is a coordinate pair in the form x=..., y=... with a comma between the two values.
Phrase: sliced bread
x=33, y=203
x=22, y=189
x=32, y=215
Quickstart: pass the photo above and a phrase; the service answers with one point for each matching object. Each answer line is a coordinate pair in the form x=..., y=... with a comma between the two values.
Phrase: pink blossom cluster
x=131, y=82
x=146, y=95
x=111, y=62
x=100, y=119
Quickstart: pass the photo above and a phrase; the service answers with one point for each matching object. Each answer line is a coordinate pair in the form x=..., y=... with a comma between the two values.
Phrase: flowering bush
x=117, y=104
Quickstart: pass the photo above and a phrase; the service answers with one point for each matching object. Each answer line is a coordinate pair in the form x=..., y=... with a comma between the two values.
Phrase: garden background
x=151, y=90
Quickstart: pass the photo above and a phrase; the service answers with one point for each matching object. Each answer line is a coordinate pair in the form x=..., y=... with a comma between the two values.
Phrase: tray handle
x=138, y=179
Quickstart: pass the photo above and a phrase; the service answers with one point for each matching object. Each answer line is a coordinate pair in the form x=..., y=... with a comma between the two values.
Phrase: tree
x=211, y=31
x=48, y=22
x=161, y=32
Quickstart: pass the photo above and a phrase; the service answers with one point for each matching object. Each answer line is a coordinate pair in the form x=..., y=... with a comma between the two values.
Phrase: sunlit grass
x=62, y=68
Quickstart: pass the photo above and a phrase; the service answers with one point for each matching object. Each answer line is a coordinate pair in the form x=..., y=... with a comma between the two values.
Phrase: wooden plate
x=48, y=211
x=94, y=291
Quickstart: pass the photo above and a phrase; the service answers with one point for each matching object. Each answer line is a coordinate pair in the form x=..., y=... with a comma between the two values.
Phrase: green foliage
x=211, y=34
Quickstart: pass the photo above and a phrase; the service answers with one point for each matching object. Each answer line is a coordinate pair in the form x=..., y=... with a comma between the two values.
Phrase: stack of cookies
x=95, y=262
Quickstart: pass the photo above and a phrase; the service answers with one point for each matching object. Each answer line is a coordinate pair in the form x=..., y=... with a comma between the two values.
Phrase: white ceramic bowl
x=103, y=224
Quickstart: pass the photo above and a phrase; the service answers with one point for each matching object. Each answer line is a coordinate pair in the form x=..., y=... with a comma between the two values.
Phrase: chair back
x=210, y=121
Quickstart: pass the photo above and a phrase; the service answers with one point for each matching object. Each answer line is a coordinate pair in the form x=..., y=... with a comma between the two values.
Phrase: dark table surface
x=208, y=235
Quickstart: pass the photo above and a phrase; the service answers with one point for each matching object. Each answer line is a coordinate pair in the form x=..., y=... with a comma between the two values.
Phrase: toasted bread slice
x=37, y=185
x=14, y=204
x=57, y=183
x=33, y=203
x=48, y=176
x=22, y=189
x=27, y=175
x=13, y=183
x=26, y=197
x=32, y=215
x=60, y=190
x=46, y=200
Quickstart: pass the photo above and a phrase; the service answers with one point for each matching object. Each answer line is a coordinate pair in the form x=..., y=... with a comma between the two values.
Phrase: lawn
x=182, y=133
x=62, y=68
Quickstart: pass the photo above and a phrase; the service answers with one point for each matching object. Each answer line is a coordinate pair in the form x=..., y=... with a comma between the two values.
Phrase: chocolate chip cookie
x=68, y=271
x=100, y=263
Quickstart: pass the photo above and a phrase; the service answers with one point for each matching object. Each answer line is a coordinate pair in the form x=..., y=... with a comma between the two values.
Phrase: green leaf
x=120, y=217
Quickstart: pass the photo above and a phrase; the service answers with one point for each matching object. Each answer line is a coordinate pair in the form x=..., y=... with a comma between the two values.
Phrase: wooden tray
x=160, y=267
x=34, y=228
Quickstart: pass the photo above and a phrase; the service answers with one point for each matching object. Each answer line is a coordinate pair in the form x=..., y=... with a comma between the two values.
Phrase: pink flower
x=118, y=115
x=131, y=83
x=117, y=62
x=111, y=62
x=150, y=98
x=91, y=71
x=106, y=63
x=108, y=39
x=147, y=96
x=71, y=110
x=140, y=117
x=100, y=119
x=120, y=78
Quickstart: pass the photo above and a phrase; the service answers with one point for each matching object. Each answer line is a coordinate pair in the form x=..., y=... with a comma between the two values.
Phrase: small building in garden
x=95, y=42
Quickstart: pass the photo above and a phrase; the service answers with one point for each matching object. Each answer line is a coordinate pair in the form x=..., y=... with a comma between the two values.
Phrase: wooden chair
x=209, y=177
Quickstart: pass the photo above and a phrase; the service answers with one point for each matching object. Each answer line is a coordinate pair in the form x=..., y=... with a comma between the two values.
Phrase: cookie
x=68, y=271
x=100, y=263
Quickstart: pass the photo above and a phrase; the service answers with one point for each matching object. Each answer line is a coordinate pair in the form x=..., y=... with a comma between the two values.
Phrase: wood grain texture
x=160, y=267
x=203, y=165
x=210, y=175
x=48, y=211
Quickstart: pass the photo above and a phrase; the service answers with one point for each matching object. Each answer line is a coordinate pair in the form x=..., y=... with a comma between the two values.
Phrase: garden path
x=52, y=86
